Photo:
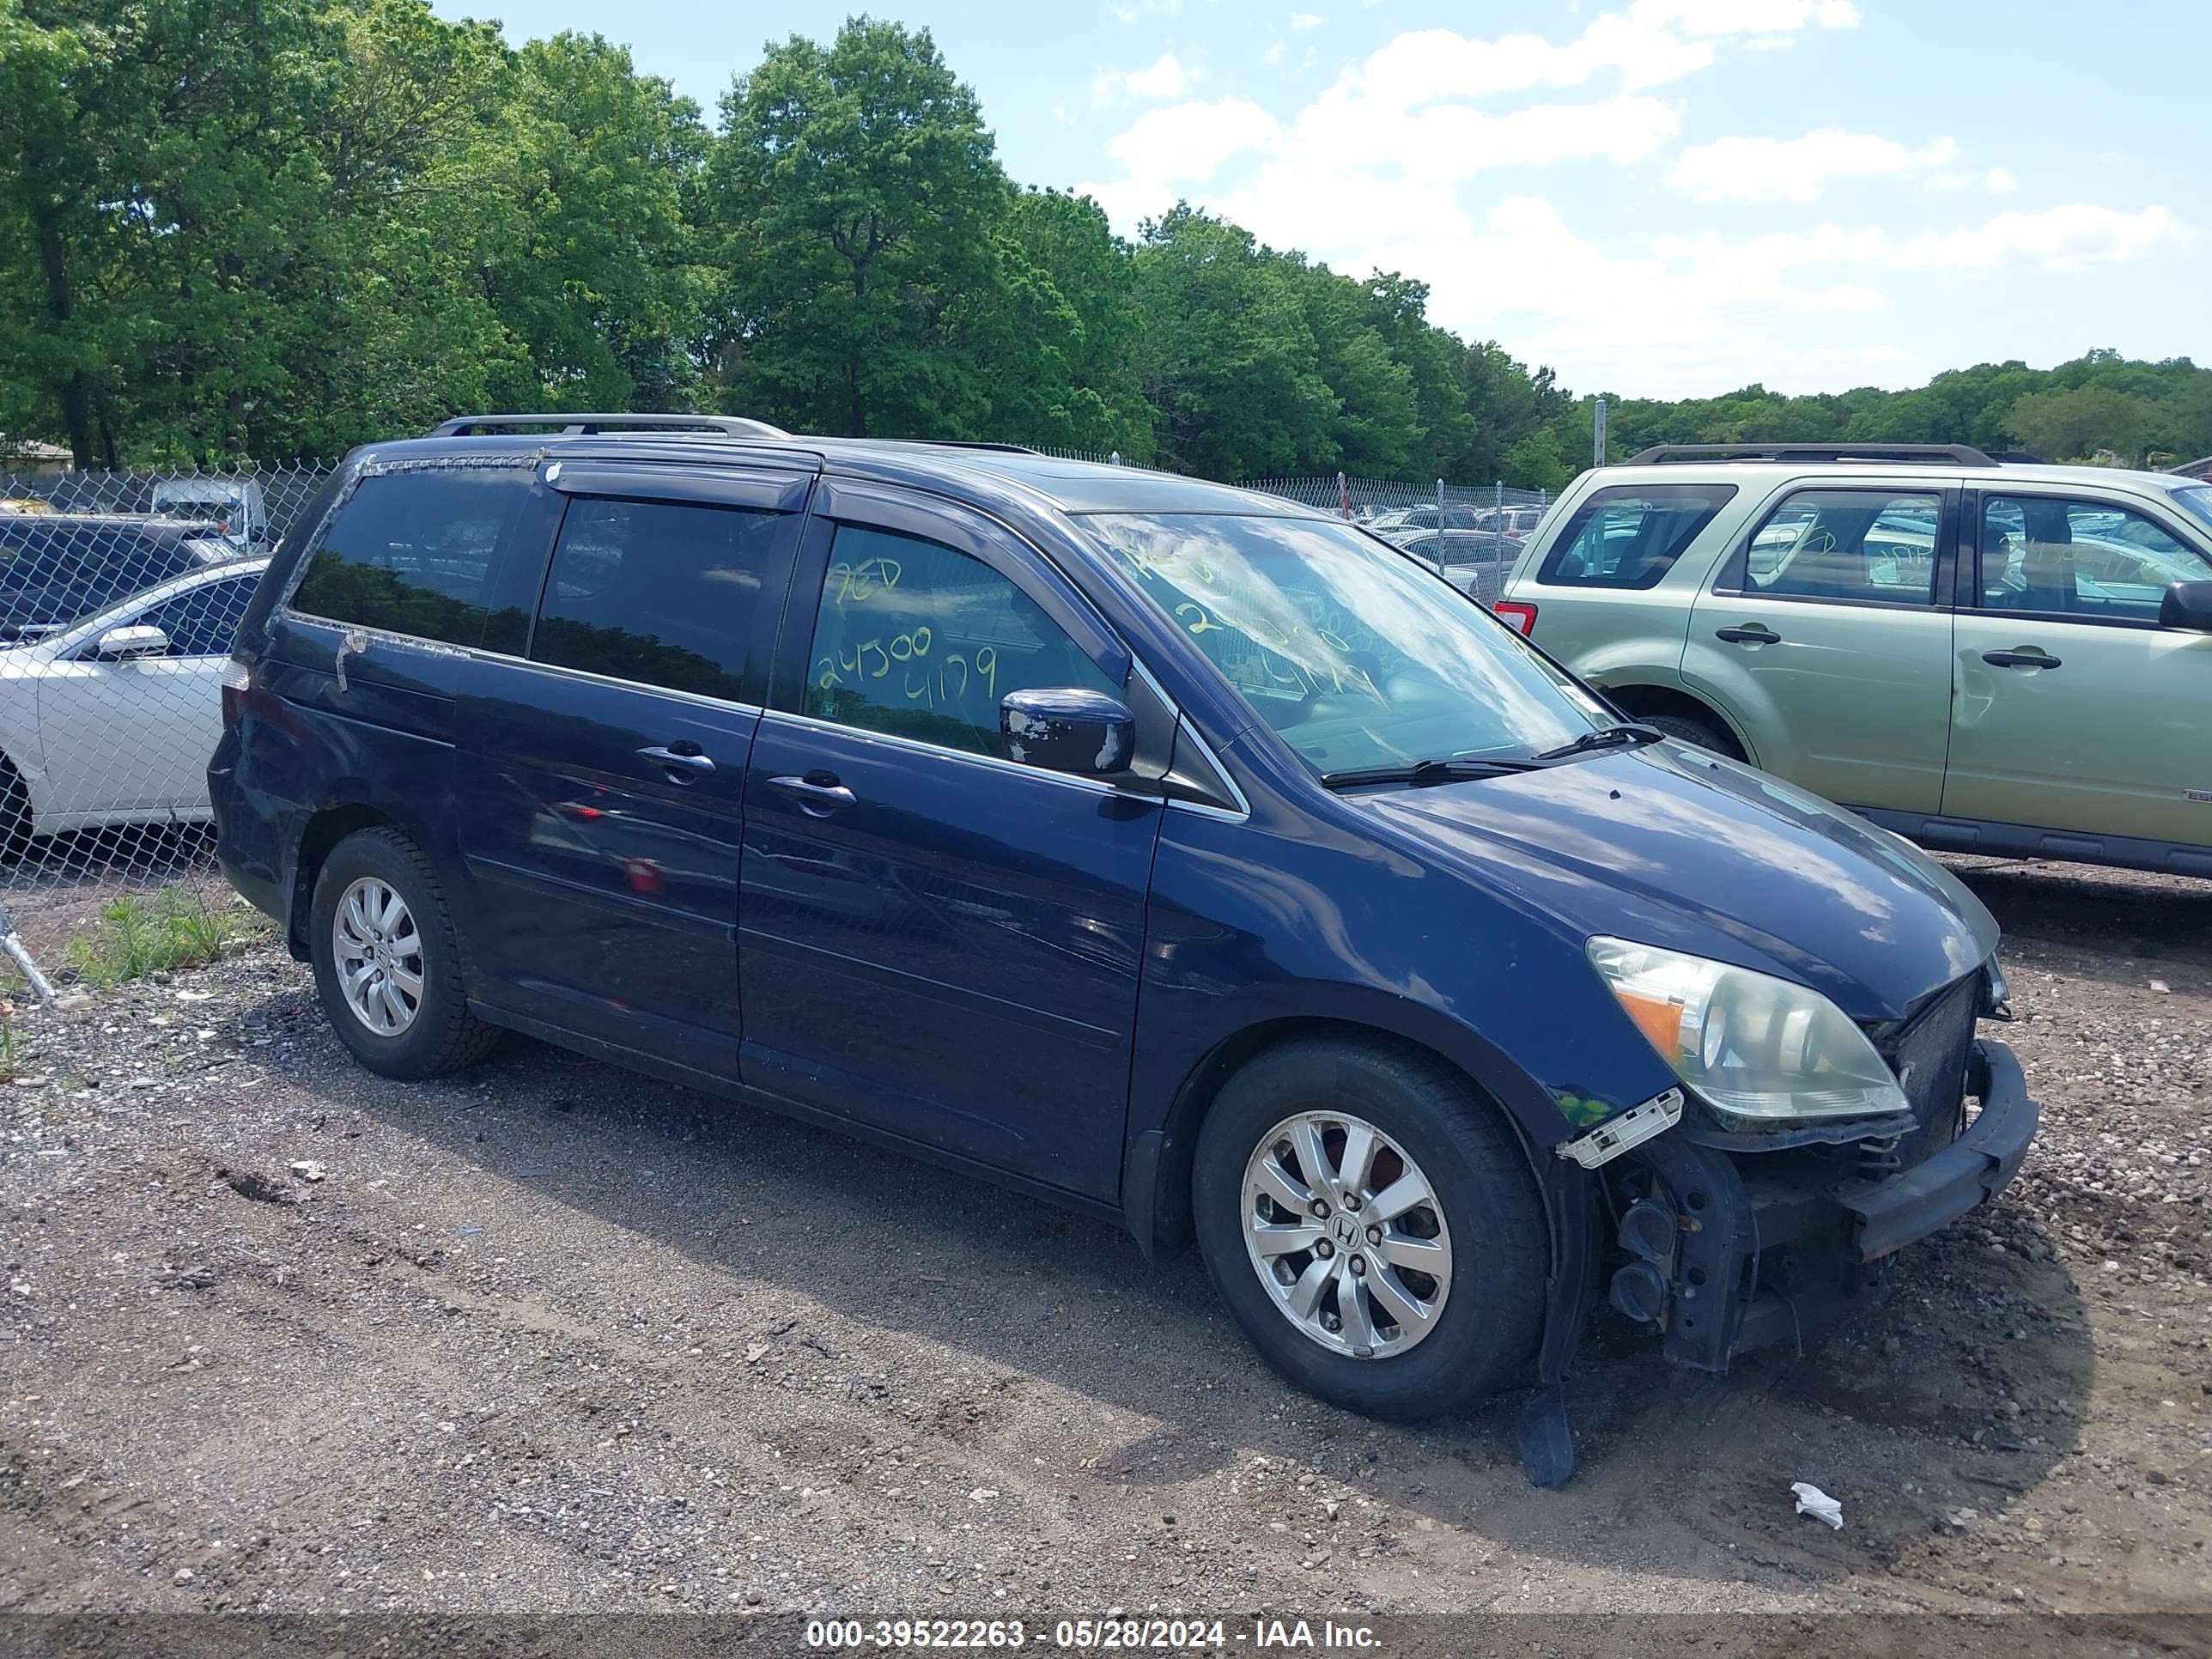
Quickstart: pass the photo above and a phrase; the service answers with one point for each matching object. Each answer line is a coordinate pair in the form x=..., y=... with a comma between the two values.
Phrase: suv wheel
x=1686, y=730
x=386, y=960
x=1374, y=1228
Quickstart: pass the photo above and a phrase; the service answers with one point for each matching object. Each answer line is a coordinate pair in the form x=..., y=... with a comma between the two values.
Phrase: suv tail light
x=237, y=681
x=1520, y=618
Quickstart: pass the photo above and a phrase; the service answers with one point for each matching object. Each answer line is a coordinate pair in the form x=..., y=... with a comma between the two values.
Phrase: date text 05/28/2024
x=1106, y=1635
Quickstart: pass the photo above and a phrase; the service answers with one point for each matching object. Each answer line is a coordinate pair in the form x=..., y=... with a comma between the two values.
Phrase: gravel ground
x=282, y=1335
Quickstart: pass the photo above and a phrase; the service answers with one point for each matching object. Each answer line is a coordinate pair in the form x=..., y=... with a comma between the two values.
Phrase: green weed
x=177, y=928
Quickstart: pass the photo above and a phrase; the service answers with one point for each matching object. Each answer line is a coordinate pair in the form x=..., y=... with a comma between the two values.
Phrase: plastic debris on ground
x=1811, y=1501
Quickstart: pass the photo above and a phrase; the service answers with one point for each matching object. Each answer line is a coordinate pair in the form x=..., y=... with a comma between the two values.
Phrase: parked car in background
x=1473, y=561
x=1422, y=518
x=1514, y=522
x=236, y=507
x=1984, y=656
x=110, y=721
x=871, y=780
x=57, y=568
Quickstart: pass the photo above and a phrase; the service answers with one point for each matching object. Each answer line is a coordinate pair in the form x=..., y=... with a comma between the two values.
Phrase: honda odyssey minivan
x=1174, y=852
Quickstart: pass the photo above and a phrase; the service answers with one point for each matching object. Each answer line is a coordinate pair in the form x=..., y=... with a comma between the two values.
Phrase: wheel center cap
x=1347, y=1230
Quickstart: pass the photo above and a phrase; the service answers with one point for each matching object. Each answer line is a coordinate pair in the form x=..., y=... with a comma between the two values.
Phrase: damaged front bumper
x=1728, y=1250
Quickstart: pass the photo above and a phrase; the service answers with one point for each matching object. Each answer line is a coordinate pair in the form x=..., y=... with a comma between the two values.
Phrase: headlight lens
x=1752, y=1046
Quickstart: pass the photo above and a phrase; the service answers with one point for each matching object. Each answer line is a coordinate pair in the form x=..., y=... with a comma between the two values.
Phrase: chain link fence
x=120, y=593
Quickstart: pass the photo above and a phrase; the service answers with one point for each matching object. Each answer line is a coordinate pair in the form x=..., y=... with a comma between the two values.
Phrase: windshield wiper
x=1422, y=773
x=1605, y=737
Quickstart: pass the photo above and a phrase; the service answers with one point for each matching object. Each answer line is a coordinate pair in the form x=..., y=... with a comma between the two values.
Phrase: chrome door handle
x=1757, y=634
x=2019, y=659
x=681, y=767
x=817, y=799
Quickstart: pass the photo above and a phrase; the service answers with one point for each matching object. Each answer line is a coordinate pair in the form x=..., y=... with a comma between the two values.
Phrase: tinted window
x=52, y=575
x=2091, y=559
x=921, y=641
x=203, y=622
x=450, y=554
x=658, y=592
x=1866, y=544
x=1630, y=536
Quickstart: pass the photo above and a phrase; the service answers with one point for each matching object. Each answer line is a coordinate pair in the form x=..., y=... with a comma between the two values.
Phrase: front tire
x=387, y=961
x=1704, y=735
x=1373, y=1227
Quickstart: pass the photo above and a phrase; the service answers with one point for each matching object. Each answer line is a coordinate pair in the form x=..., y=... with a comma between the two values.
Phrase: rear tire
x=1429, y=1127
x=387, y=960
x=1700, y=733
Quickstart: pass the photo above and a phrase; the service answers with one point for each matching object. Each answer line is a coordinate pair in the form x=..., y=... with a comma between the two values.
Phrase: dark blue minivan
x=1178, y=852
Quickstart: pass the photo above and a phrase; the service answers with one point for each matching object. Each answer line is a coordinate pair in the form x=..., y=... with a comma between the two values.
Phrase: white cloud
x=1130, y=11
x=1373, y=174
x=1796, y=169
x=1273, y=54
x=1428, y=63
x=1307, y=20
x=1188, y=143
x=2058, y=239
x=1164, y=77
x=1999, y=181
x=1762, y=17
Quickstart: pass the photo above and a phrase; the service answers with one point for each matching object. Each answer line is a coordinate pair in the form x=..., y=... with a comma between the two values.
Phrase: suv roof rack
x=1955, y=454
x=729, y=426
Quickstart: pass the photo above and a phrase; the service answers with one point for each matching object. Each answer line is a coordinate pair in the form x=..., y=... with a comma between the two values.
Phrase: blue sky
x=1658, y=197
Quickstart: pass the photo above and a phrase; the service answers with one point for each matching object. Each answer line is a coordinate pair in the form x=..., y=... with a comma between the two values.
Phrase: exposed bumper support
x=1972, y=1169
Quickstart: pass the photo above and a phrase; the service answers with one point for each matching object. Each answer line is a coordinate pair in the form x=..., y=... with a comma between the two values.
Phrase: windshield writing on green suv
x=1353, y=657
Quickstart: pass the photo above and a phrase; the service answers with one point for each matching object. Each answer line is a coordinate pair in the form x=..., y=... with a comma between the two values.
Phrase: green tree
x=1064, y=361
x=1229, y=362
x=2083, y=421
x=858, y=197
x=1535, y=463
x=602, y=286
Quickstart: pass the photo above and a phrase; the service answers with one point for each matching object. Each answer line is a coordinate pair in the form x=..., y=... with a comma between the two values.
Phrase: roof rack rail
x=974, y=443
x=1955, y=454
x=729, y=426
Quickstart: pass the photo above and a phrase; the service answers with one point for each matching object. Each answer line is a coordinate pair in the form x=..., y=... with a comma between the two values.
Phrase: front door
x=1827, y=632
x=604, y=772
x=2076, y=710
x=132, y=738
x=936, y=941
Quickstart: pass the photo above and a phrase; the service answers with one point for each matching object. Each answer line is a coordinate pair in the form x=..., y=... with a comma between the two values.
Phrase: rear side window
x=1630, y=535
x=658, y=593
x=1866, y=545
x=453, y=555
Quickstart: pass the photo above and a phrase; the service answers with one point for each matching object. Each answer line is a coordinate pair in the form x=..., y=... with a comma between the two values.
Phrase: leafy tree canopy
x=261, y=229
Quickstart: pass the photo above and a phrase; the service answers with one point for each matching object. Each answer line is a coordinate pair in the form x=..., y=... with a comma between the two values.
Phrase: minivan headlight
x=1750, y=1045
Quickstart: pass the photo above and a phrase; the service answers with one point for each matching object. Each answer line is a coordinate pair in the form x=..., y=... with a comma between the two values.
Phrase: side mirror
x=2187, y=605
x=1085, y=734
x=121, y=644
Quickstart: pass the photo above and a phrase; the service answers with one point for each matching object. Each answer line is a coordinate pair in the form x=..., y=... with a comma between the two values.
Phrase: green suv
x=1983, y=655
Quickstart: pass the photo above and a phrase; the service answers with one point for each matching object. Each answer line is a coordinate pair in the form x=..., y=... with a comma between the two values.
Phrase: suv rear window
x=1630, y=535
x=452, y=555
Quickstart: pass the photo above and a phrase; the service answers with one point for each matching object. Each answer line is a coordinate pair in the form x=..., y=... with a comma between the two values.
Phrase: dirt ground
x=553, y=1338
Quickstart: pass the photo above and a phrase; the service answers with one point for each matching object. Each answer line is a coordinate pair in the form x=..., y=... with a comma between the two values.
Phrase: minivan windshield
x=1353, y=656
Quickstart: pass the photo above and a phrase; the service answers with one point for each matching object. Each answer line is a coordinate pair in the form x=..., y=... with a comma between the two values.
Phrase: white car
x=112, y=720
